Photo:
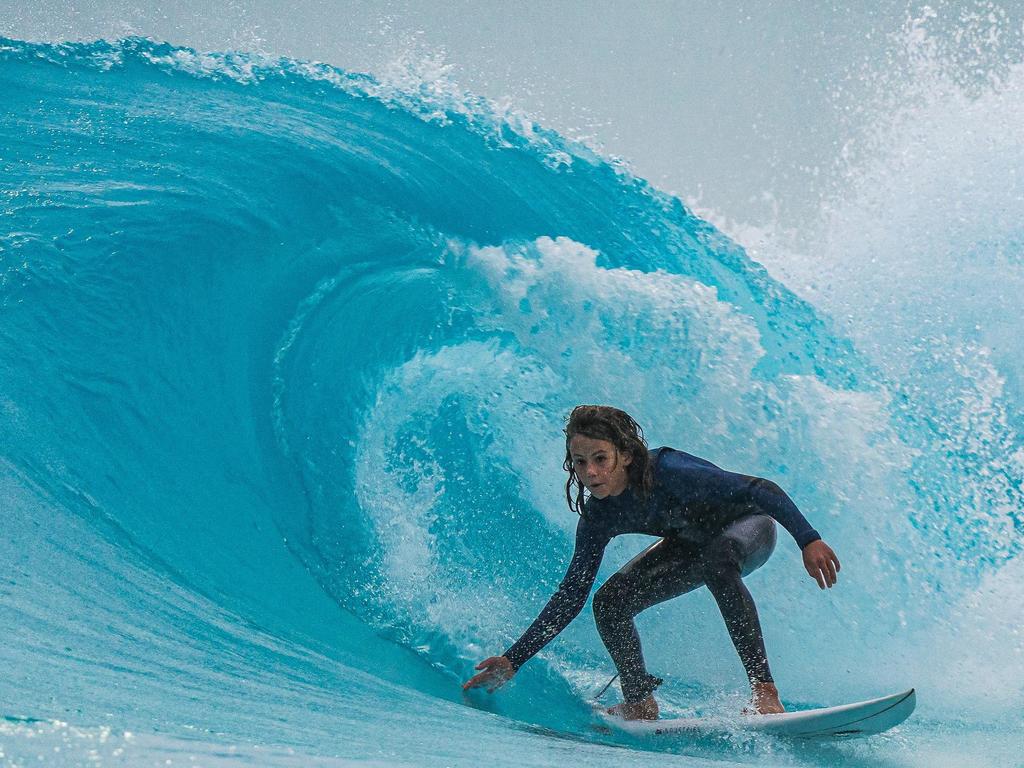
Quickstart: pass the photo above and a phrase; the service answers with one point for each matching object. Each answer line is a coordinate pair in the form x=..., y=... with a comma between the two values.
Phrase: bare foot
x=639, y=710
x=764, y=700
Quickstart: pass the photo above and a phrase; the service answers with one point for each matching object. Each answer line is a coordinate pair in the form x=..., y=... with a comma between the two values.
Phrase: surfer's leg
x=743, y=546
x=665, y=569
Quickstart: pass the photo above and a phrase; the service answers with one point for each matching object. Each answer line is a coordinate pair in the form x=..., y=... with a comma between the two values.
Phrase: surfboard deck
x=863, y=718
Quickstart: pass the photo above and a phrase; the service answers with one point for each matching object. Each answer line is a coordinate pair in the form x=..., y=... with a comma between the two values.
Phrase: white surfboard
x=861, y=719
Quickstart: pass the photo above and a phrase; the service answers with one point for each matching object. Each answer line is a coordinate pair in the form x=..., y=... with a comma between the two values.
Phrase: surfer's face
x=599, y=465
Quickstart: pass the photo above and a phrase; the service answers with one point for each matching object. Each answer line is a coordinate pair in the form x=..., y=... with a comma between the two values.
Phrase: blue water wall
x=285, y=356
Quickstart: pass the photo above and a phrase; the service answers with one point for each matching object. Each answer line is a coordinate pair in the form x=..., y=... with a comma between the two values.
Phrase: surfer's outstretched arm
x=820, y=561
x=563, y=606
x=698, y=484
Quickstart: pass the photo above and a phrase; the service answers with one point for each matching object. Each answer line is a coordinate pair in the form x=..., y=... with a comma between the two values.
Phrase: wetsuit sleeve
x=566, y=604
x=699, y=485
x=776, y=503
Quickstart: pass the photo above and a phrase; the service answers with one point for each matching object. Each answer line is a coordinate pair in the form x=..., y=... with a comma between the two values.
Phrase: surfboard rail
x=862, y=718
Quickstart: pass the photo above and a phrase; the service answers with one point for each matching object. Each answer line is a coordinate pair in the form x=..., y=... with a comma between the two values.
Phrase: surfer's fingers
x=475, y=681
x=817, y=575
x=479, y=679
x=827, y=571
x=831, y=556
x=814, y=570
x=833, y=570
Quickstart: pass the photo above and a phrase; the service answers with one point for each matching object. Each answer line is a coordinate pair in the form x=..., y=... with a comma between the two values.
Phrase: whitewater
x=285, y=355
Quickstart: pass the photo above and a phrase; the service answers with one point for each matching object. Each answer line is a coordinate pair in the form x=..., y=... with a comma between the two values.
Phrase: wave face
x=285, y=355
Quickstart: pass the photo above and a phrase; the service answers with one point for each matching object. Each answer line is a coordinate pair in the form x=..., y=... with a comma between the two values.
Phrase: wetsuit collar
x=611, y=502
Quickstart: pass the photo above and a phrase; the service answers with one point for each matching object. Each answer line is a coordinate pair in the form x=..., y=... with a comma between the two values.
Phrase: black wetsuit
x=716, y=527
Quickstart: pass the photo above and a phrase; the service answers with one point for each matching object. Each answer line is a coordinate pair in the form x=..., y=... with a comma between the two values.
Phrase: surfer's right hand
x=497, y=670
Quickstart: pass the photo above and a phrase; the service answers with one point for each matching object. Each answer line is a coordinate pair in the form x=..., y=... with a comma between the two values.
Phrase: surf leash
x=605, y=688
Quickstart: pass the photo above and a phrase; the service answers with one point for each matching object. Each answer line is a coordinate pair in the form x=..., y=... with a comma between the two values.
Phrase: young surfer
x=715, y=527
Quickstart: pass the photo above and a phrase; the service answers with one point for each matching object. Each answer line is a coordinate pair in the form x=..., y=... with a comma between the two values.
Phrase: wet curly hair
x=603, y=422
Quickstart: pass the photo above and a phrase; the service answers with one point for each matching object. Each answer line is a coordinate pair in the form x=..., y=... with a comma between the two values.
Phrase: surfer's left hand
x=821, y=563
x=497, y=670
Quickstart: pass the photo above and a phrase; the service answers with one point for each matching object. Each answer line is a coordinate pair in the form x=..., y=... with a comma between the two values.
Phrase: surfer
x=715, y=527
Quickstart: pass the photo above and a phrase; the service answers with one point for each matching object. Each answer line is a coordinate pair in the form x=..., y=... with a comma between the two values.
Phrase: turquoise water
x=284, y=358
